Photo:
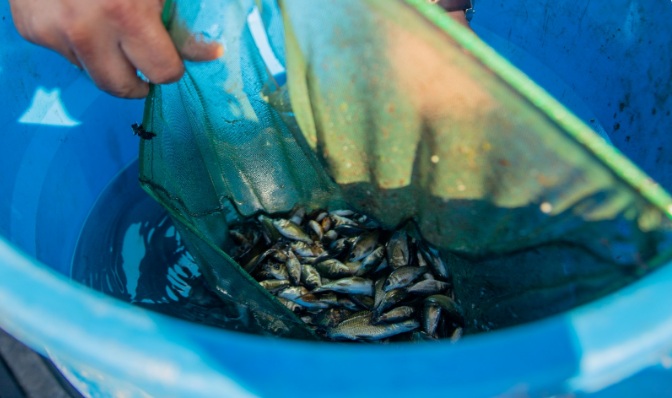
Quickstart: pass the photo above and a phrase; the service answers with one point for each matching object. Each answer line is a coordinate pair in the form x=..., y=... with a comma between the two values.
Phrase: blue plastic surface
x=62, y=142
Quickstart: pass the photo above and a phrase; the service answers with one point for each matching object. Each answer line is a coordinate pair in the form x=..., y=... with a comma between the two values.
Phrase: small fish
x=379, y=293
x=273, y=285
x=321, y=216
x=291, y=231
x=292, y=293
x=453, y=311
x=428, y=276
x=342, y=213
x=364, y=245
x=310, y=277
x=339, y=246
x=332, y=268
x=349, y=304
x=390, y=299
x=360, y=328
x=316, y=228
x=354, y=285
x=326, y=224
x=303, y=249
x=273, y=270
x=297, y=216
x=331, y=235
x=396, y=315
x=428, y=286
x=311, y=302
x=431, y=315
x=293, y=268
x=331, y=317
x=457, y=334
x=397, y=249
x=279, y=255
x=371, y=261
x=294, y=307
x=402, y=277
x=436, y=263
x=364, y=302
x=330, y=298
x=352, y=231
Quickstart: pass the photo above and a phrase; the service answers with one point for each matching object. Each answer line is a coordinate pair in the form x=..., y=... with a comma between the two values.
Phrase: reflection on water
x=130, y=249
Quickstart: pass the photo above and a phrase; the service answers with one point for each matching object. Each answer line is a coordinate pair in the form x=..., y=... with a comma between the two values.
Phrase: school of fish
x=350, y=280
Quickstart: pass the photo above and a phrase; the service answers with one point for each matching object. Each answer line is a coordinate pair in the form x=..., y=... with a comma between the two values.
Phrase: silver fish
x=311, y=302
x=364, y=245
x=402, y=277
x=331, y=235
x=342, y=213
x=453, y=311
x=321, y=216
x=273, y=285
x=294, y=307
x=339, y=246
x=293, y=268
x=433, y=258
x=293, y=293
x=457, y=334
x=352, y=231
x=360, y=328
x=273, y=270
x=349, y=304
x=303, y=249
x=397, y=249
x=396, y=315
x=431, y=315
x=317, y=228
x=332, y=268
x=310, y=277
x=371, y=261
x=364, y=302
x=428, y=286
x=331, y=299
x=390, y=299
x=326, y=224
x=291, y=231
x=379, y=293
x=353, y=285
x=331, y=317
x=297, y=216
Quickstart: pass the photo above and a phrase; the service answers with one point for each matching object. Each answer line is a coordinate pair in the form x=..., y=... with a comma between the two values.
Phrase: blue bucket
x=63, y=141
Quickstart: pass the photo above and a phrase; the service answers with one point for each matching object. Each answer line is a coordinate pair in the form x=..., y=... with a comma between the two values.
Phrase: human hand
x=112, y=40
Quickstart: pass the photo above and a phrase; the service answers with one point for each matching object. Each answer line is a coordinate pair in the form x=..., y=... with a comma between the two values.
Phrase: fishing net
x=393, y=109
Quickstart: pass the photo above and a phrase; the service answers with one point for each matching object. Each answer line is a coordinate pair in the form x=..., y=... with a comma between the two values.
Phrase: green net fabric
x=393, y=109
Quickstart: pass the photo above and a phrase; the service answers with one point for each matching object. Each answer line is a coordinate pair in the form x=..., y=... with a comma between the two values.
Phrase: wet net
x=391, y=108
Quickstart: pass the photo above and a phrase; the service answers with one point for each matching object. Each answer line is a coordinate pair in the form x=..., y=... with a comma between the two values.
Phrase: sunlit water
x=130, y=249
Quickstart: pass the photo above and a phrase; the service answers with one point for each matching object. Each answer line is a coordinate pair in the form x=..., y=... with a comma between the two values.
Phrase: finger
x=109, y=68
x=151, y=50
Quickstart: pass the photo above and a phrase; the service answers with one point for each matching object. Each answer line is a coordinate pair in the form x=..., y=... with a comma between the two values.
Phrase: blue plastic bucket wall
x=62, y=141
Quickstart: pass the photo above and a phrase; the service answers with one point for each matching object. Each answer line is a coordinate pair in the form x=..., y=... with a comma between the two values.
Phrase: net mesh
x=393, y=109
